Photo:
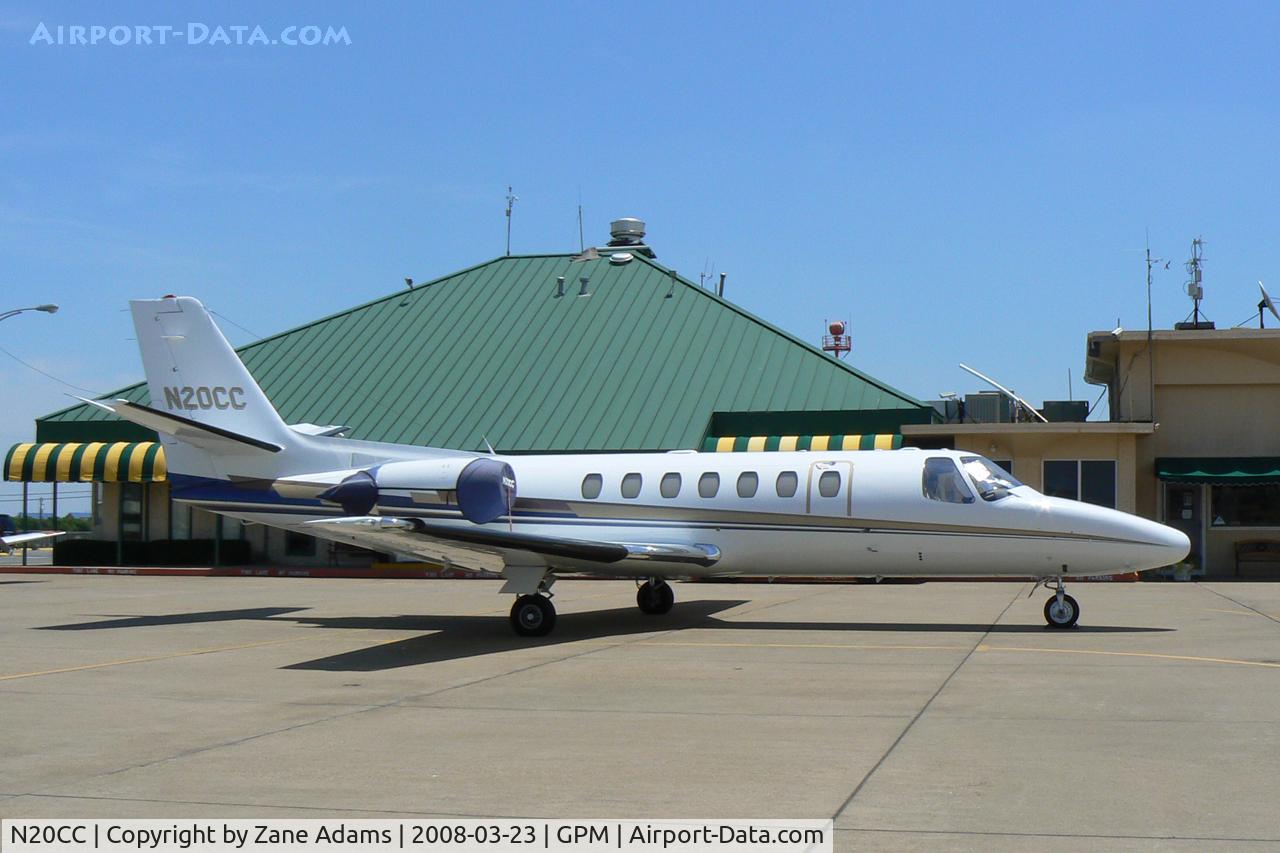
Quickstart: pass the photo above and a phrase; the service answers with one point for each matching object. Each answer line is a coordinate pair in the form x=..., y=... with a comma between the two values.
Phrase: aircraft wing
x=489, y=547
x=20, y=538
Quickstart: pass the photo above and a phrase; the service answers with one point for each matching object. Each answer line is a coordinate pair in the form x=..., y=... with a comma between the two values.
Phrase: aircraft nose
x=1170, y=544
x=1175, y=541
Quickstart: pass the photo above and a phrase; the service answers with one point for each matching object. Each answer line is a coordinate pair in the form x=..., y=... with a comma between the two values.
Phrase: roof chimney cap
x=627, y=231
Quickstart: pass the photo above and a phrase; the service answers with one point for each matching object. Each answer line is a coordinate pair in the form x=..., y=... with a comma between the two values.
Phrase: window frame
x=967, y=496
x=1079, y=463
x=703, y=478
x=628, y=477
x=662, y=485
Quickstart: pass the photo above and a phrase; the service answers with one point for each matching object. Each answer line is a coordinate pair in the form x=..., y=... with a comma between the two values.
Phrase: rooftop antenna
x=582, y=241
x=511, y=201
x=1266, y=304
x=1194, y=290
x=1018, y=402
x=1151, y=355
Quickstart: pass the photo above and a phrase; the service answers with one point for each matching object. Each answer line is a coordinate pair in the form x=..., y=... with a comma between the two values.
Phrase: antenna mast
x=511, y=201
x=1194, y=290
x=1151, y=356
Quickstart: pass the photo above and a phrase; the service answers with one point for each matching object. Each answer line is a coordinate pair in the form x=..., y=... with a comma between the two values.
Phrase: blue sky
x=963, y=183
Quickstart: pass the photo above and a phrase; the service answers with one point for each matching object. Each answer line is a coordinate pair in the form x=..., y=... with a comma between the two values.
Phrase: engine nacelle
x=485, y=486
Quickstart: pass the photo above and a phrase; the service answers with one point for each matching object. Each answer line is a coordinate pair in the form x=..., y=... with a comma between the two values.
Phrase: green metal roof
x=642, y=363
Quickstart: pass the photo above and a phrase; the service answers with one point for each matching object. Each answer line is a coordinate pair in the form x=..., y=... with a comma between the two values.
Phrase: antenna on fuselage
x=1017, y=401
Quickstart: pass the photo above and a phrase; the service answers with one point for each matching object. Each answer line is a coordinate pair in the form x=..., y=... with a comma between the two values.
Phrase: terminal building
x=605, y=350
x=1191, y=440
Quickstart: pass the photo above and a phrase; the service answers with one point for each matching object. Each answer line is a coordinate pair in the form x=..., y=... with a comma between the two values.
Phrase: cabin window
x=748, y=482
x=787, y=483
x=670, y=485
x=829, y=484
x=591, y=486
x=708, y=484
x=942, y=482
x=631, y=485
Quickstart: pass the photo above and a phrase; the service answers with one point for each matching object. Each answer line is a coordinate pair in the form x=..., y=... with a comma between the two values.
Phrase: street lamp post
x=48, y=308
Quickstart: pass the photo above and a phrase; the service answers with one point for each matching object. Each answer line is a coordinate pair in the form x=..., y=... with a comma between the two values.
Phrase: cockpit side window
x=992, y=481
x=942, y=482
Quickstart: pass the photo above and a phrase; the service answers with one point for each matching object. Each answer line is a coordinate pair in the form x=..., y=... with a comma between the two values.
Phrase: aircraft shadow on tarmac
x=453, y=637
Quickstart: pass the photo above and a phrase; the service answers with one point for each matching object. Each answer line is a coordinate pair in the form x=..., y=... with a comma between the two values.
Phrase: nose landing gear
x=655, y=597
x=1061, y=610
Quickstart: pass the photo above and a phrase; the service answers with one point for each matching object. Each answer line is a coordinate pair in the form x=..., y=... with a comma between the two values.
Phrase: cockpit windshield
x=992, y=481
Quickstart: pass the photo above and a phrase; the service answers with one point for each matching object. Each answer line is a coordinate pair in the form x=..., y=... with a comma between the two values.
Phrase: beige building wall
x=1216, y=394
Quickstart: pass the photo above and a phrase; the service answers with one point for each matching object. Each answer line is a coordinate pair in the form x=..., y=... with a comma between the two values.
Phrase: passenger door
x=830, y=489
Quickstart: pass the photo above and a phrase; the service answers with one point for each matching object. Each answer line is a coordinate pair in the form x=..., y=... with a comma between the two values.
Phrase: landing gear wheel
x=1061, y=615
x=655, y=597
x=533, y=616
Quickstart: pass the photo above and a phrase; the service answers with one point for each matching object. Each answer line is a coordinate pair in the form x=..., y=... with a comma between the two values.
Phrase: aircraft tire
x=1064, y=616
x=533, y=616
x=655, y=599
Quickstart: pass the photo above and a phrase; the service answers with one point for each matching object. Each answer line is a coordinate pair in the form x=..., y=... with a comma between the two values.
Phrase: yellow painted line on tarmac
x=150, y=658
x=1243, y=612
x=982, y=647
x=1155, y=655
x=858, y=646
x=192, y=653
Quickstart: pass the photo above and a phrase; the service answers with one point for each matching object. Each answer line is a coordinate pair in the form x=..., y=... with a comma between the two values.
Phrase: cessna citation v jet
x=648, y=516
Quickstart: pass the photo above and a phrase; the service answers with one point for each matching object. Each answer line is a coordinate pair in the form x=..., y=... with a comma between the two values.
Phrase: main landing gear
x=1061, y=610
x=533, y=615
x=655, y=597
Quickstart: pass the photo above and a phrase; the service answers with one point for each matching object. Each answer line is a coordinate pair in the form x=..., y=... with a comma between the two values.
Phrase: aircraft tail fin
x=202, y=395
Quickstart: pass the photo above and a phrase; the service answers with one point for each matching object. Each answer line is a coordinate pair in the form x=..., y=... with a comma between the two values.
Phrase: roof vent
x=627, y=231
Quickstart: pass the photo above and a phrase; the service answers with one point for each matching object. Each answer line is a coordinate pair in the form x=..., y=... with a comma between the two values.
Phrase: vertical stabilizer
x=194, y=373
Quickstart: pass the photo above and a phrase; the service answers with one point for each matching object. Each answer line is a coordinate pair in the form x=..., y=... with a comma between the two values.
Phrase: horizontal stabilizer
x=7, y=542
x=184, y=429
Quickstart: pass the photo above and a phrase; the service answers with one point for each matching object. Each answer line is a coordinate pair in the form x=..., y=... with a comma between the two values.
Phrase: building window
x=670, y=485
x=1089, y=480
x=631, y=485
x=708, y=484
x=131, y=511
x=787, y=483
x=299, y=544
x=748, y=482
x=591, y=486
x=829, y=484
x=942, y=482
x=1246, y=506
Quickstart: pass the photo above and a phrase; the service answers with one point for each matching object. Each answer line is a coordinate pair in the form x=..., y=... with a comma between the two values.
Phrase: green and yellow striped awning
x=90, y=462
x=741, y=443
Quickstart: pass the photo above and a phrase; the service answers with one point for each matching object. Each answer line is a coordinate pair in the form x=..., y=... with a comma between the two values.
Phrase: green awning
x=88, y=462
x=1219, y=470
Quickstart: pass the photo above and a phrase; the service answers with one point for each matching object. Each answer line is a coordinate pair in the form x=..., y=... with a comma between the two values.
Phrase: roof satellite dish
x=1266, y=303
x=1017, y=401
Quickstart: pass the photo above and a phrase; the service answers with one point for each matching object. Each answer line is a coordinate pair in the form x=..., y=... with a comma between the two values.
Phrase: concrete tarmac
x=942, y=716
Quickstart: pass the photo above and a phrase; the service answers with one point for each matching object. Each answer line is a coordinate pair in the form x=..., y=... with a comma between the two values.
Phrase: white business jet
x=649, y=516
